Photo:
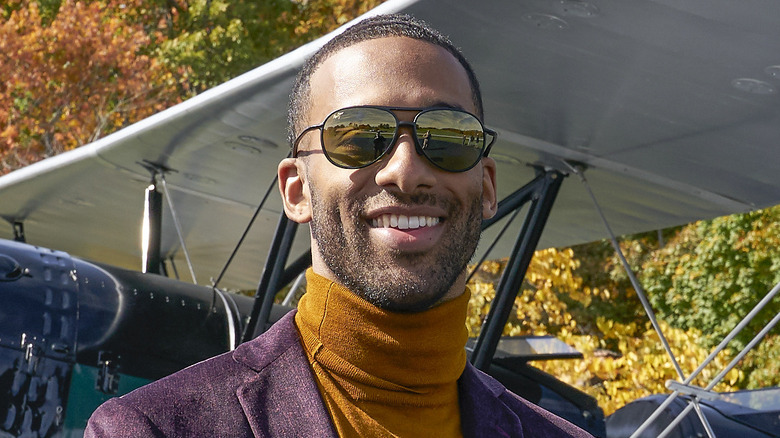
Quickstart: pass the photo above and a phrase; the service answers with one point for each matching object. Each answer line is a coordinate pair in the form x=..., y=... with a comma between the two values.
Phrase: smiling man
x=399, y=230
x=390, y=168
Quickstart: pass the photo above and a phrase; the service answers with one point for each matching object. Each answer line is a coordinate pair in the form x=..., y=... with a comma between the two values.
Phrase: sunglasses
x=358, y=136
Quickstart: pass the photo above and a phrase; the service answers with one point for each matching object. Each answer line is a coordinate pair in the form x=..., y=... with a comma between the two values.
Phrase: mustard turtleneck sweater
x=381, y=373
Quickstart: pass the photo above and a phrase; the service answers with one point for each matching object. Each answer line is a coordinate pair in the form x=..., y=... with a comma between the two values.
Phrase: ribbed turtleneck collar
x=409, y=356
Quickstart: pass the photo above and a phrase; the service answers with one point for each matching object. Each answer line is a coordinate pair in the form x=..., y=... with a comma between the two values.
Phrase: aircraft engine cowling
x=69, y=329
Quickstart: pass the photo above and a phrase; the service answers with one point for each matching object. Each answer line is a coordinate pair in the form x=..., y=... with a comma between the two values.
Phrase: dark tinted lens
x=452, y=140
x=356, y=137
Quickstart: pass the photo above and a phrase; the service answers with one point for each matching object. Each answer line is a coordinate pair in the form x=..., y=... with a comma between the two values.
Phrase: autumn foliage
x=74, y=71
x=73, y=79
x=602, y=317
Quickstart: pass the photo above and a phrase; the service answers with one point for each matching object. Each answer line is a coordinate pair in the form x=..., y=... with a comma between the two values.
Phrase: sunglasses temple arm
x=493, y=137
x=294, y=150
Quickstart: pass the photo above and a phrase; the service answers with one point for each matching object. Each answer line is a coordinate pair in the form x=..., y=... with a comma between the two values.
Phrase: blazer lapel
x=482, y=414
x=282, y=400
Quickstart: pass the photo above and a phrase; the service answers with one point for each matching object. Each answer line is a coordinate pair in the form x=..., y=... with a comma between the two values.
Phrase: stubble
x=392, y=279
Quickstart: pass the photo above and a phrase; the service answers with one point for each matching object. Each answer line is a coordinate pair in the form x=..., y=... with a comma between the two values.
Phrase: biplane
x=614, y=117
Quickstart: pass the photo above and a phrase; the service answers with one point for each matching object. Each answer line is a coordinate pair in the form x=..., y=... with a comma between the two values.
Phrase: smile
x=403, y=222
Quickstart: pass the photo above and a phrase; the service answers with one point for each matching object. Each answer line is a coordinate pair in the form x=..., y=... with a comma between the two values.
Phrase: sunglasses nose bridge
x=412, y=130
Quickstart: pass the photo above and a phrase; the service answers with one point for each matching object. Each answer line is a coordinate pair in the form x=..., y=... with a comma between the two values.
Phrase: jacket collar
x=482, y=413
x=282, y=399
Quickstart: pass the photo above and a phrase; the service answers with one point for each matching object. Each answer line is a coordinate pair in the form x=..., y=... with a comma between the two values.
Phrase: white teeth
x=403, y=222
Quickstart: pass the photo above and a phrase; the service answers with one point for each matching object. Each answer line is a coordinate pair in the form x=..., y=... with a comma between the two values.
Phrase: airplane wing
x=671, y=106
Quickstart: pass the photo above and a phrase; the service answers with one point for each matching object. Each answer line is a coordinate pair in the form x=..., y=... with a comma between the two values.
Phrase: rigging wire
x=694, y=402
x=492, y=245
x=246, y=232
x=177, y=225
x=634, y=282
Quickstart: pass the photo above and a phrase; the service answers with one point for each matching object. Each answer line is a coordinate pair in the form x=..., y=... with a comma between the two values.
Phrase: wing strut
x=678, y=388
x=541, y=192
x=152, y=229
x=271, y=279
x=177, y=225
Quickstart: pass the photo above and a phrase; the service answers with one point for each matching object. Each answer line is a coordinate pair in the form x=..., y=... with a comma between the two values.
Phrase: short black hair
x=380, y=26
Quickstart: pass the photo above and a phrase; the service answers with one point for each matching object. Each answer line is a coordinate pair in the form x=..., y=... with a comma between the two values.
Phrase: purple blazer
x=265, y=388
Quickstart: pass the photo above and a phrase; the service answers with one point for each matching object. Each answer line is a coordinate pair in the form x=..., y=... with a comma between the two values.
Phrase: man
x=376, y=347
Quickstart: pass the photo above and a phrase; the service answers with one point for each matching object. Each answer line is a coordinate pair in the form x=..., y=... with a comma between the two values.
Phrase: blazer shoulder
x=200, y=400
x=116, y=419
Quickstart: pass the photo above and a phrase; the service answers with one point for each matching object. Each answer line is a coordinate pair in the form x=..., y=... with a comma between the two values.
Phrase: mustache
x=385, y=198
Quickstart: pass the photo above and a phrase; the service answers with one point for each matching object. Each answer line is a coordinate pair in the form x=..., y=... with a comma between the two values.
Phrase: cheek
x=468, y=184
x=333, y=187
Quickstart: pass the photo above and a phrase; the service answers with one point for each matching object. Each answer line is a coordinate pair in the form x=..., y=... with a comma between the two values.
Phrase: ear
x=294, y=189
x=489, y=196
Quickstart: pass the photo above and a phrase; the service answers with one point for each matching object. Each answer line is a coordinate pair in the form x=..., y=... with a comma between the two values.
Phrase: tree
x=76, y=70
x=622, y=361
x=219, y=39
x=713, y=272
x=72, y=79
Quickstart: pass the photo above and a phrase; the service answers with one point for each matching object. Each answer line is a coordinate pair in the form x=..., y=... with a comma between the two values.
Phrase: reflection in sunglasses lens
x=452, y=140
x=356, y=137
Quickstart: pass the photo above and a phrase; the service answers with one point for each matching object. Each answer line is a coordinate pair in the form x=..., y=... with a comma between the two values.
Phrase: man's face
x=363, y=221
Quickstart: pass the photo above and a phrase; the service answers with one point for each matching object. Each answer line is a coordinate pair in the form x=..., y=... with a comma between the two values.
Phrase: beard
x=400, y=281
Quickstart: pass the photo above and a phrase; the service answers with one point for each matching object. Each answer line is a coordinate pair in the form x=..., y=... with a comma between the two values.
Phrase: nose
x=405, y=168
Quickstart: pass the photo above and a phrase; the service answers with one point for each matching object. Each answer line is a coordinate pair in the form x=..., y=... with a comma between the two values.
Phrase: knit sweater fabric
x=382, y=373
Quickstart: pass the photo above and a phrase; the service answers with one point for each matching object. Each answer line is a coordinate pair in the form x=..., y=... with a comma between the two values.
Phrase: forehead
x=391, y=71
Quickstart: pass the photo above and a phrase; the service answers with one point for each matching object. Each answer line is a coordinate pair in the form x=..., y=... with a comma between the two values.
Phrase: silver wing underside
x=671, y=106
